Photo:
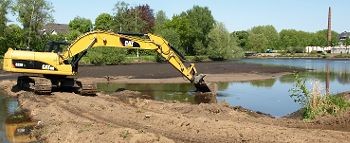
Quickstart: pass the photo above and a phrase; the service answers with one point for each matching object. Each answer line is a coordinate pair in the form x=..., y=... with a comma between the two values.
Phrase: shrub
x=314, y=103
x=106, y=56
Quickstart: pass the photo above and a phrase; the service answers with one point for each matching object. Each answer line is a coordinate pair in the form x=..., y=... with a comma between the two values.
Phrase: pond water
x=15, y=125
x=269, y=96
x=8, y=106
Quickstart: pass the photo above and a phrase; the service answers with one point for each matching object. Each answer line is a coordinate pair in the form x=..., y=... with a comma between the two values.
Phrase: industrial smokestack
x=329, y=35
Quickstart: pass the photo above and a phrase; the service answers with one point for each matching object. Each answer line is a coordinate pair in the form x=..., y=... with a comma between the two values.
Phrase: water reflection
x=263, y=83
x=161, y=92
x=19, y=128
x=15, y=126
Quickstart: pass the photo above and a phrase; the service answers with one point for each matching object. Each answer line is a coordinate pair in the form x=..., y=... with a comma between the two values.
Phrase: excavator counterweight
x=55, y=68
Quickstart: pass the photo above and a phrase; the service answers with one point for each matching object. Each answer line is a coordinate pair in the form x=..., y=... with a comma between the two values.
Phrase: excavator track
x=38, y=85
x=86, y=87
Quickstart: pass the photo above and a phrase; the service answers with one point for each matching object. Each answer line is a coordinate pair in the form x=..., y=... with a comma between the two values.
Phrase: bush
x=314, y=103
x=295, y=49
x=106, y=56
x=197, y=58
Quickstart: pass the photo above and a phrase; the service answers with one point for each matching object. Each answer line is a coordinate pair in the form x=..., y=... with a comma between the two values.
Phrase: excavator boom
x=66, y=63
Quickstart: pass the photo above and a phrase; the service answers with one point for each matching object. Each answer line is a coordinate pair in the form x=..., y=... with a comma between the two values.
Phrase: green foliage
x=242, y=38
x=300, y=93
x=72, y=35
x=347, y=42
x=257, y=42
x=104, y=22
x=294, y=49
x=160, y=21
x=106, y=55
x=294, y=38
x=4, y=7
x=267, y=34
x=263, y=83
x=80, y=24
x=222, y=45
x=314, y=103
x=13, y=37
x=33, y=14
x=139, y=19
x=320, y=38
x=193, y=27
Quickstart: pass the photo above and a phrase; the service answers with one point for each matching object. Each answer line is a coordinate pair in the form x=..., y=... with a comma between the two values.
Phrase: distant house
x=54, y=29
x=344, y=35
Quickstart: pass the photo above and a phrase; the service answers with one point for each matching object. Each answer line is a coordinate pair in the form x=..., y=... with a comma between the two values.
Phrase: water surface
x=269, y=96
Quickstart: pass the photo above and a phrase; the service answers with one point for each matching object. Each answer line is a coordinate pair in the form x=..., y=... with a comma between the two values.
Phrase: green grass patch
x=140, y=59
x=314, y=103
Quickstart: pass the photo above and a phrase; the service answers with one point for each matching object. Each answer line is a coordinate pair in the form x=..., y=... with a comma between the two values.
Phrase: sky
x=306, y=15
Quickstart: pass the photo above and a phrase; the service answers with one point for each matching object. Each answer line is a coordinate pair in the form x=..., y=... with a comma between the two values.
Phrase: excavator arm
x=98, y=39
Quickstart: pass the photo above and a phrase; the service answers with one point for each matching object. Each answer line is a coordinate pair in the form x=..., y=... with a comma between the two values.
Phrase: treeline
x=194, y=32
x=262, y=38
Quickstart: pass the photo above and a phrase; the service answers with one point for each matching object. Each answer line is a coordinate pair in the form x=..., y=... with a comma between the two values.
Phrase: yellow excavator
x=45, y=71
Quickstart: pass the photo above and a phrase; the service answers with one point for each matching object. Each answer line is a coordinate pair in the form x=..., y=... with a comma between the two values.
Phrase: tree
x=293, y=38
x=257, y=42
x=15, y=36
x=127, y=19
x=193, y=27
x=221, y=45
x=269, y=32
x=80, y=24
x=33, y=15
x=4, y=6
x=104, y=22
x=147, y=16
x=320, y=38
x=242, y=38
x=347, y=41
x=160, y=21
x=201, y=22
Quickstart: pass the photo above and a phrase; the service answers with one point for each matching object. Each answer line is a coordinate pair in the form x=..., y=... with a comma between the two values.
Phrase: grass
x=140, y=59
x=314, y=103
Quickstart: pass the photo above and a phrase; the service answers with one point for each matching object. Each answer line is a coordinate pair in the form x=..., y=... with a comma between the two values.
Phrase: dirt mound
x=125, y=117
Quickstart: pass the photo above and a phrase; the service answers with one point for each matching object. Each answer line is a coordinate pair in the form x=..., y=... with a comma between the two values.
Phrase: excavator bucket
x=201, y=85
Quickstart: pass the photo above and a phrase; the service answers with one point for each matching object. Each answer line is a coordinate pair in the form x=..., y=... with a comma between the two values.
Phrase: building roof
x=54, y=27
x=344, y=35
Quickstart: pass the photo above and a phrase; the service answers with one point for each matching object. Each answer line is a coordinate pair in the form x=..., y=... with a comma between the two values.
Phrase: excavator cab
x=56, y=46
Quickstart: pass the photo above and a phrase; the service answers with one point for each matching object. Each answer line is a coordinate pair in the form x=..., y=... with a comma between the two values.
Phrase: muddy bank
x=125, y=117
x=71, y=118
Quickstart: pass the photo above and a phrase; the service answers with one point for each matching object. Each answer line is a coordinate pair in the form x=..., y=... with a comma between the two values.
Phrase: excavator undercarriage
x=47, y=84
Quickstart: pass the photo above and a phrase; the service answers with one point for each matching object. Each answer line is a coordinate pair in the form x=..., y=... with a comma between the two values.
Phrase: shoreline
x=127, y=116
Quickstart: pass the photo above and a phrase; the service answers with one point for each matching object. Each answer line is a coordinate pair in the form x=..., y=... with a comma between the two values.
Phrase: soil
x=126, y=116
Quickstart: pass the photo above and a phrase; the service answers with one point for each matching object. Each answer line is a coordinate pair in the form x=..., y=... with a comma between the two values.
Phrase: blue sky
x=307, y=15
